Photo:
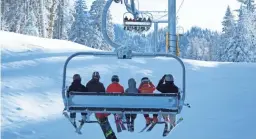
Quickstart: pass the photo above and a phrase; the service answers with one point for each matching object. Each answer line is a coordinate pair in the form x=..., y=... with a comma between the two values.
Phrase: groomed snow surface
x=222, y=95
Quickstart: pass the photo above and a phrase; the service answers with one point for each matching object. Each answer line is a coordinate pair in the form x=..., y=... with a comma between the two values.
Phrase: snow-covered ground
x=222, y=95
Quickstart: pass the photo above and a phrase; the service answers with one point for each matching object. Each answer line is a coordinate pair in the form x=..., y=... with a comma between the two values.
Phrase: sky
x=203, y=13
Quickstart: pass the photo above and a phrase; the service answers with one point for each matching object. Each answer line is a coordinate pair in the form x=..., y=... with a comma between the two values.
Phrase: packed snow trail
x=222, y=95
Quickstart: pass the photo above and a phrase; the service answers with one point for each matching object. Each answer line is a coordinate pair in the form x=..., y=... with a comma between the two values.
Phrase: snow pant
x=73, y=115
x=131, y=116
x=101, y=115
x=147, y=115
x=171, y=117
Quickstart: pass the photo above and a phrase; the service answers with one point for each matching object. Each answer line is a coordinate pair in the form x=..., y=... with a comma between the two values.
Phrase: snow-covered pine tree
x=30, y=26
x=14, y=15
x=50, y=12
x=80, y=27
x=237, y=51
x=228, y=24
x=42, y=18
x=63, y=20
x=4, y=25
x=95, y=23
x=249, y=4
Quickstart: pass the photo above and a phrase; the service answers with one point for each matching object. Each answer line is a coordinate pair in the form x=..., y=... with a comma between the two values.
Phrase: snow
x=13, y=42
x=222, y=95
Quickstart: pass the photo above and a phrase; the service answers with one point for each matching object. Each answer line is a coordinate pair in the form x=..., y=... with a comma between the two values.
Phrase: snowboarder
x=76, y=86
x=131, y=117
x=166, y=85
x=94, y=85
x=146, y=86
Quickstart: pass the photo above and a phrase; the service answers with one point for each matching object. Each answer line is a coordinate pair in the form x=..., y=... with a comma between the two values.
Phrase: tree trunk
x=42, y=24
x=52, y=18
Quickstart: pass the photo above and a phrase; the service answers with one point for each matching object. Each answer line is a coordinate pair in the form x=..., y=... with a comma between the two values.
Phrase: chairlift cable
x=177, y=11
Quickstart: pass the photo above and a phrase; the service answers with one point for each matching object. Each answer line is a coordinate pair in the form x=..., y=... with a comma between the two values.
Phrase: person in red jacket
x=147, y=87
x=115, y=87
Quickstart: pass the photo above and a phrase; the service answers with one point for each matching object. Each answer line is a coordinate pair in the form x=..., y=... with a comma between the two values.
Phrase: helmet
x=145, y=79
x=115, y=78
x=96, y=75
x=76, y=77
x=168, y=78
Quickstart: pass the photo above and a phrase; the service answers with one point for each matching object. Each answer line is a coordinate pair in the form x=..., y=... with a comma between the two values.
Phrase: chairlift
x=94, y=102
x=141, y=24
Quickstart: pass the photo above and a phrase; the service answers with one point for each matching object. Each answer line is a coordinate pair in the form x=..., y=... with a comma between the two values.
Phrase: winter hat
x=95, y=74
x=169, y=78
x=76, y=77
x=145, y=79
x=115, y=78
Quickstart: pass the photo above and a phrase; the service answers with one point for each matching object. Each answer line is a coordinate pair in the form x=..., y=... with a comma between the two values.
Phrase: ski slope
x=222, y=95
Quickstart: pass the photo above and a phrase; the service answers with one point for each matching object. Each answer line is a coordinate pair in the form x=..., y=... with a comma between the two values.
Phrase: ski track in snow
x=222, y=96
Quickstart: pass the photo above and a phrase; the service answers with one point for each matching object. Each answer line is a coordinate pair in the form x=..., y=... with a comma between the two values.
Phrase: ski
x=80, y=126
x=67, y=116
x=151, y=127
x=147, y=125
x=167, y=129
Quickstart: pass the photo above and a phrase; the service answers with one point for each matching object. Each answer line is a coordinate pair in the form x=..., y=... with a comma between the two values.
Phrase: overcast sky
x=203, y=13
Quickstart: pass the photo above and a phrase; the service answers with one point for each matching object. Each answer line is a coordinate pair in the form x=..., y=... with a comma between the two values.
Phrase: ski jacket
x=146, y=87
x=115, y=88
x=132, y=87
x=76, y=86
x=95, y=86
x=168, y=87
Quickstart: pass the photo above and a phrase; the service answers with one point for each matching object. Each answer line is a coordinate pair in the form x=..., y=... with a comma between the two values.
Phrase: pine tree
x=31, y=27
x=51, y=6
x=237, y=51
x=249, y=4
x=42, y=18
x=228, y=34
x=80, y=27
x=95, y=23
x=63, y=20
x=228, y=23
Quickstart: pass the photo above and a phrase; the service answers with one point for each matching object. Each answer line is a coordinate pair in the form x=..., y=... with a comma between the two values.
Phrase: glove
x=163, y=77
x=162, y=80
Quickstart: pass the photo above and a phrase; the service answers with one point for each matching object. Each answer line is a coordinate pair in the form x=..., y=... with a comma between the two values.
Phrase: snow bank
x=19, y=43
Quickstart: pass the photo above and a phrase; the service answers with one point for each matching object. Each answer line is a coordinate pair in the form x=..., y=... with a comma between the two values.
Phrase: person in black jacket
x=94, y=85
x=76, y=86
x=166, y=85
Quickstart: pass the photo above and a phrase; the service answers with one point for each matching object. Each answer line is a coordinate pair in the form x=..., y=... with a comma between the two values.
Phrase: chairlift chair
x=95, y=102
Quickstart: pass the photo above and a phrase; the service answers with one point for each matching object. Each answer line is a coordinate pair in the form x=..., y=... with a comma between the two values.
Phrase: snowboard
x=106, y=129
